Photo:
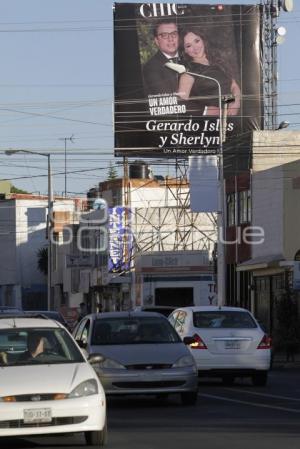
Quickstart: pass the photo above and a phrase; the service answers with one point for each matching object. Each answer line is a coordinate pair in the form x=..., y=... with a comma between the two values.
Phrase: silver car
x=138, y=353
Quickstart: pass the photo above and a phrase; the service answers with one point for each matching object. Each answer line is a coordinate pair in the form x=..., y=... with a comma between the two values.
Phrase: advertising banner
x=173, y=110
x=120, y=239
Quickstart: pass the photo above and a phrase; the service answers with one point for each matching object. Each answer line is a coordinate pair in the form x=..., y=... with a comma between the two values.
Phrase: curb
x=281, y=364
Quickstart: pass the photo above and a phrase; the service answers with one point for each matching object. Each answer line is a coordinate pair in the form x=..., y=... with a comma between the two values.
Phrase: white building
x=22, y=235
x=275, y=193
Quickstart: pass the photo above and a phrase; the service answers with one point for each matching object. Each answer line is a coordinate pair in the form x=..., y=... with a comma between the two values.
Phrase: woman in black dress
x=202, y=60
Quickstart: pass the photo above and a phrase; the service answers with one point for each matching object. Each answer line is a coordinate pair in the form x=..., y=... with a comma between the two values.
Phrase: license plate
x=37, y=415
x=232, y=345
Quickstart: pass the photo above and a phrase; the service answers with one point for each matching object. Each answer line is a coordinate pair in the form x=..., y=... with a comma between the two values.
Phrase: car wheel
x=96, y=437
x=189, y=398
x=228, y=380
x=260, y=379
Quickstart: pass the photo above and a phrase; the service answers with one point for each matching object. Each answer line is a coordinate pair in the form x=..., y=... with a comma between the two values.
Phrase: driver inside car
x=35, y=345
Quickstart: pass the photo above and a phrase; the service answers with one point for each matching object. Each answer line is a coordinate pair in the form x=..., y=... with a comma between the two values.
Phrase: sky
x=56, y=89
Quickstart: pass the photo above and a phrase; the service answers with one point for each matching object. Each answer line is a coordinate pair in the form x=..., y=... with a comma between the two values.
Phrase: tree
x=16, y=190
x=112, y=172
x=287, y=336
x=42, y=256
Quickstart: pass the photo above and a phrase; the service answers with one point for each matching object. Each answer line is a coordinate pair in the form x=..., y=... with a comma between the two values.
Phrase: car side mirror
x=188, y=340
x=95, y=358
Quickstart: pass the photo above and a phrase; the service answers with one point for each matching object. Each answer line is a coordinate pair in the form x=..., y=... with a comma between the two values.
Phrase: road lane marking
x=287, y=398
x=237, y=401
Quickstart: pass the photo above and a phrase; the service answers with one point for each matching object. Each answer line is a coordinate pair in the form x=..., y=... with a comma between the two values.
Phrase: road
x=239, y=417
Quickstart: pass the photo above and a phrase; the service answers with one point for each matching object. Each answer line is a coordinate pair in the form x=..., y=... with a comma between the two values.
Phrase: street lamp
x=49, y=218
x=179, y=68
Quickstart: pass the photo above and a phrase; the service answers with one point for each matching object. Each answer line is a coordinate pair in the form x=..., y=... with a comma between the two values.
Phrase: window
x=55, y=248
x=244, y=206
x=222, y=319
x=116, y=197
x=85, y=332
x=172, y=318
x=85, y=239
x=231, y=205
x=181, y=317
x=135, y=330
x=79, y=330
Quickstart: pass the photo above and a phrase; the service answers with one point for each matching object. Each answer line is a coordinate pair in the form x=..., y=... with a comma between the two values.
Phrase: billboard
x=174, y=111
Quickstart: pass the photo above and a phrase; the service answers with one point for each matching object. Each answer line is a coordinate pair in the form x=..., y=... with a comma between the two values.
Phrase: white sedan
x=226, y=342
x=46, y=384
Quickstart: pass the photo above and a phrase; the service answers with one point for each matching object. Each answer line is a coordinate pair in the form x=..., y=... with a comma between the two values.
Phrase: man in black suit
x=158, y=79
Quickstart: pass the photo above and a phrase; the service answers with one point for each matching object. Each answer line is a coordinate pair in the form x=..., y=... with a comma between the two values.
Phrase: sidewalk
x=280, y=362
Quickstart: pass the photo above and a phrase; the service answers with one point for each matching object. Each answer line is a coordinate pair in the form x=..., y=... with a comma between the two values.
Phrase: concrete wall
x=276, y=192
x=267, y=211
x=291, y=209
x=23, y=233
x=8, y=273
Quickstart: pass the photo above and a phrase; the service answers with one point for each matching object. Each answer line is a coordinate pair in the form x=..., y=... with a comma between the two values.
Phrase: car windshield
x=37, y=346
x=135, y=330
x=224, y=319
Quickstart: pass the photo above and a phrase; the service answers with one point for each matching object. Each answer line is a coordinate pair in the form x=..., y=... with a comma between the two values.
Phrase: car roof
x=213, y=309
x=9, y=322
x=129, y=314
x=48, y=313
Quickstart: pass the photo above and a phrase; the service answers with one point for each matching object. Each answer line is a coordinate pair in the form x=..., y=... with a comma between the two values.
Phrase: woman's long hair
x=213, y=54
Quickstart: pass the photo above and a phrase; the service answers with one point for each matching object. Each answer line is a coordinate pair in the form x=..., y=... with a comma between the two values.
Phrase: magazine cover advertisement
x=187, y=77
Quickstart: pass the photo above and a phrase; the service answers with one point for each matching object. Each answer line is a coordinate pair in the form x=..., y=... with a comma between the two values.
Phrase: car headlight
x=86, y=388
x=108, y=363
x=186, y=360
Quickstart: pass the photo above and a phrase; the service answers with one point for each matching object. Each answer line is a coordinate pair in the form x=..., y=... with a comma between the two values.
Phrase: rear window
x=222, y=319
x=135, y=330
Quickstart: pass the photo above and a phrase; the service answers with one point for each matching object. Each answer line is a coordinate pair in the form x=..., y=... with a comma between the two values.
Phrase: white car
x=226, y=342
x=46, y=384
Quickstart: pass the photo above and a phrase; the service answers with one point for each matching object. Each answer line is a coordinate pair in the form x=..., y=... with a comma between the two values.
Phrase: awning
x=259, y=263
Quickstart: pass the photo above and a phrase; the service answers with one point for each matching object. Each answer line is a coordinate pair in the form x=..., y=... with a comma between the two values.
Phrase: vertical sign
x=120, y=239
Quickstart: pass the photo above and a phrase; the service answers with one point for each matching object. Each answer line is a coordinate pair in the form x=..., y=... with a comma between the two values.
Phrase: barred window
x=231, y=205
x=244, y=206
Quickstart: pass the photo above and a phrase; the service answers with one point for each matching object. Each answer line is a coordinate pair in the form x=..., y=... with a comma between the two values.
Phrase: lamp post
x=179, y=68
x=49, y=218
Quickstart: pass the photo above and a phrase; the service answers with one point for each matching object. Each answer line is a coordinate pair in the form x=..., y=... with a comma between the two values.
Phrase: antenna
x=71, y=139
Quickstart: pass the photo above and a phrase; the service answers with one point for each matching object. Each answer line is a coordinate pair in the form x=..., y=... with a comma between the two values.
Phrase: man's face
x=167, y=38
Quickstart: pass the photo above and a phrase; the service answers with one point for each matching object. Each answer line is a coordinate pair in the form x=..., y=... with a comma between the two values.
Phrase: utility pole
x=71, y=139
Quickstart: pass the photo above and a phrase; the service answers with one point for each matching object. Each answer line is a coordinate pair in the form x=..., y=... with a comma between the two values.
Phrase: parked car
x=226, y=342
x=10, y=310
x=139, y=353
x=53, y=315
x=46, y=384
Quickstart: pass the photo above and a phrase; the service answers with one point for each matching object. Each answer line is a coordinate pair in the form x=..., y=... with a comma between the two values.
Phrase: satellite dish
x=287, y=5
